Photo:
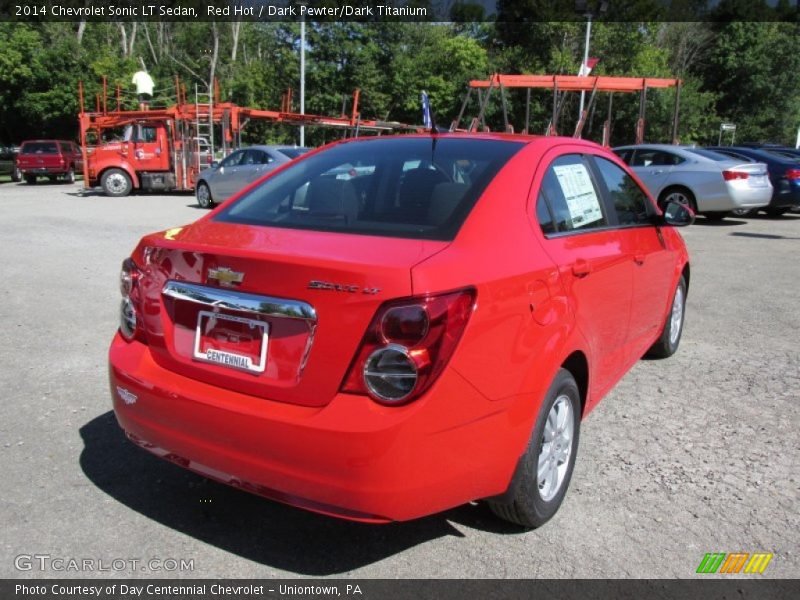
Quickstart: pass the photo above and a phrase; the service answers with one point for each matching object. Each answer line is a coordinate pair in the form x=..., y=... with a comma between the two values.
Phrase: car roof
x=525, y=139
x=271, y=147
x=652, y=147
x=761, y=153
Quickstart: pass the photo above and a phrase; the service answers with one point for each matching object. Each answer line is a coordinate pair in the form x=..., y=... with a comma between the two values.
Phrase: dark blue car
x=784, y=173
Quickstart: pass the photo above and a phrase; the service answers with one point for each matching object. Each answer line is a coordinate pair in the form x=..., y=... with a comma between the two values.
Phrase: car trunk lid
x=749, y=174
x=276, y=313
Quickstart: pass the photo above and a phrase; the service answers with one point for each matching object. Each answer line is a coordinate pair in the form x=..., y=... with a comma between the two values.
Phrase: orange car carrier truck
x=164, y=149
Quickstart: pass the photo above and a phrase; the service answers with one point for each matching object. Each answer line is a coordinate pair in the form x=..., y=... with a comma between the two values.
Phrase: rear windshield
x=782, y=155
x=39, y=148
x=709, y=154
x=414, y=187
x=293, y=152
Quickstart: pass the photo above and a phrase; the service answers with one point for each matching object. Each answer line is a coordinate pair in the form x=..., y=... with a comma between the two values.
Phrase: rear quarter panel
x=521, y=330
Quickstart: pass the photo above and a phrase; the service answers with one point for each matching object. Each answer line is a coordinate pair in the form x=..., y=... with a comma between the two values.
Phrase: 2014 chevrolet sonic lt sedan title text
x=390, y=327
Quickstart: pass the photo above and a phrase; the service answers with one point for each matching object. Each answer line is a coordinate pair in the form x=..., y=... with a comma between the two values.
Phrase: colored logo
x=736, y=562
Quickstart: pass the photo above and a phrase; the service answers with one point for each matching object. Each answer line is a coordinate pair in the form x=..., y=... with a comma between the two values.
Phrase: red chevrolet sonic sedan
x=390, y=327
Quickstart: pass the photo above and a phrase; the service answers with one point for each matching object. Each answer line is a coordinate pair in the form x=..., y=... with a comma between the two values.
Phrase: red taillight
x=130, y=325
x=209, y=159
x=407, y=345
x=792, y=173
x=729, y=175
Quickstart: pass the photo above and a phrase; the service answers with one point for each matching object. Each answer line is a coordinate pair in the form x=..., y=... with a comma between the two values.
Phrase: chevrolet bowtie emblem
x=225, y=276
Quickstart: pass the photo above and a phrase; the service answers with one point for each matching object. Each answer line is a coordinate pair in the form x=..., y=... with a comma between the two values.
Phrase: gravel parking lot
x=698, y=453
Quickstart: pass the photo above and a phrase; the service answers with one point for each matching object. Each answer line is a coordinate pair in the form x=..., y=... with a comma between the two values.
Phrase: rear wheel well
x=578, y=366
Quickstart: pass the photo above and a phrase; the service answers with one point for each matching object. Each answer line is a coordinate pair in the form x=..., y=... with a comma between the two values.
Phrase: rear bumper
x=42, y=170
x=746, y=197
x=351, y=458
x=786, y=195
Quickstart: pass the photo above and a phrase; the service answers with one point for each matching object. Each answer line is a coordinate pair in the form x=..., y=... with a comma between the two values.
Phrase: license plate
x=231, y=341
x=758, y=181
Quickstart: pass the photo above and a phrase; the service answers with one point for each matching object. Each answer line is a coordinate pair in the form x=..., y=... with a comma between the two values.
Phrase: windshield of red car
x=414, y=187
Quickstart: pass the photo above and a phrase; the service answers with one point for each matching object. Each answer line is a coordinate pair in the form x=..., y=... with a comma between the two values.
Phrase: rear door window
x=625, y=155
x=416, y=187
x=252, y=157
x=262, y=158
x=646, y=157
x=572, y=196
x=543, y=215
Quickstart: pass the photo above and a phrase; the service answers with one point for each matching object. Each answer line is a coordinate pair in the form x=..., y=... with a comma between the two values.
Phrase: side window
x=630, y=202
x=573, y=199
x=625, y=155
x=233, y=159
x=64, y=147
x=654, y=158
x=251, y=157
x=145, y=133
x=265, y=158
x=673, y=159
x=543, y=215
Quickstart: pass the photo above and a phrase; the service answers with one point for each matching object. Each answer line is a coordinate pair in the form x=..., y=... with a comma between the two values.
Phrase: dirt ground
x=698, y=453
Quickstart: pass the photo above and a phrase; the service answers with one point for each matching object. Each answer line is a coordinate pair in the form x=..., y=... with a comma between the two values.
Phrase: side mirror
x=678, y=215
x=215, y=164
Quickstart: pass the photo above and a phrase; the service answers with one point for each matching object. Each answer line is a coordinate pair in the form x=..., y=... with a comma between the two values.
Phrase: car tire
x=669, y=340
x=537, y=492
x=678, y=194
x=203, y=194
x=716, y=216
x=116, y=183
x=16, y=175
x=70, y=176
x=30, y=179
x=777, y=212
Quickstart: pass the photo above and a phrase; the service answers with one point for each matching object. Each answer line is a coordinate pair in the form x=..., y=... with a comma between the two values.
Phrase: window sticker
x=579, y=193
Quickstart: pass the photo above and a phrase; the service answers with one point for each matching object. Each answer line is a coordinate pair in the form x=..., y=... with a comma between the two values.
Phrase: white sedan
x=711, y=184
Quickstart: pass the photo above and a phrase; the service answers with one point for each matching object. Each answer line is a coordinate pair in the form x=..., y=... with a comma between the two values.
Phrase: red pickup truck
x=50, y=158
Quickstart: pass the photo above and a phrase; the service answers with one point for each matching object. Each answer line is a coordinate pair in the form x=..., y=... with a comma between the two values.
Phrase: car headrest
x=330, y=197
x=444, y=200
x=416, y=188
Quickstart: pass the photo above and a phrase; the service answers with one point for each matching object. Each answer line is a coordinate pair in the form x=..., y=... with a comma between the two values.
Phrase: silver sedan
x=239, y=169
x=711, y=184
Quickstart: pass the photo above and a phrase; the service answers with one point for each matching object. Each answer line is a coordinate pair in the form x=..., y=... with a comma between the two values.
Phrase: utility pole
x=588, y=10
x=585, y=57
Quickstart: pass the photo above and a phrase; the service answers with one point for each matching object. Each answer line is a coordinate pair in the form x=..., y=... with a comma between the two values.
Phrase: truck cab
x=139, y=155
